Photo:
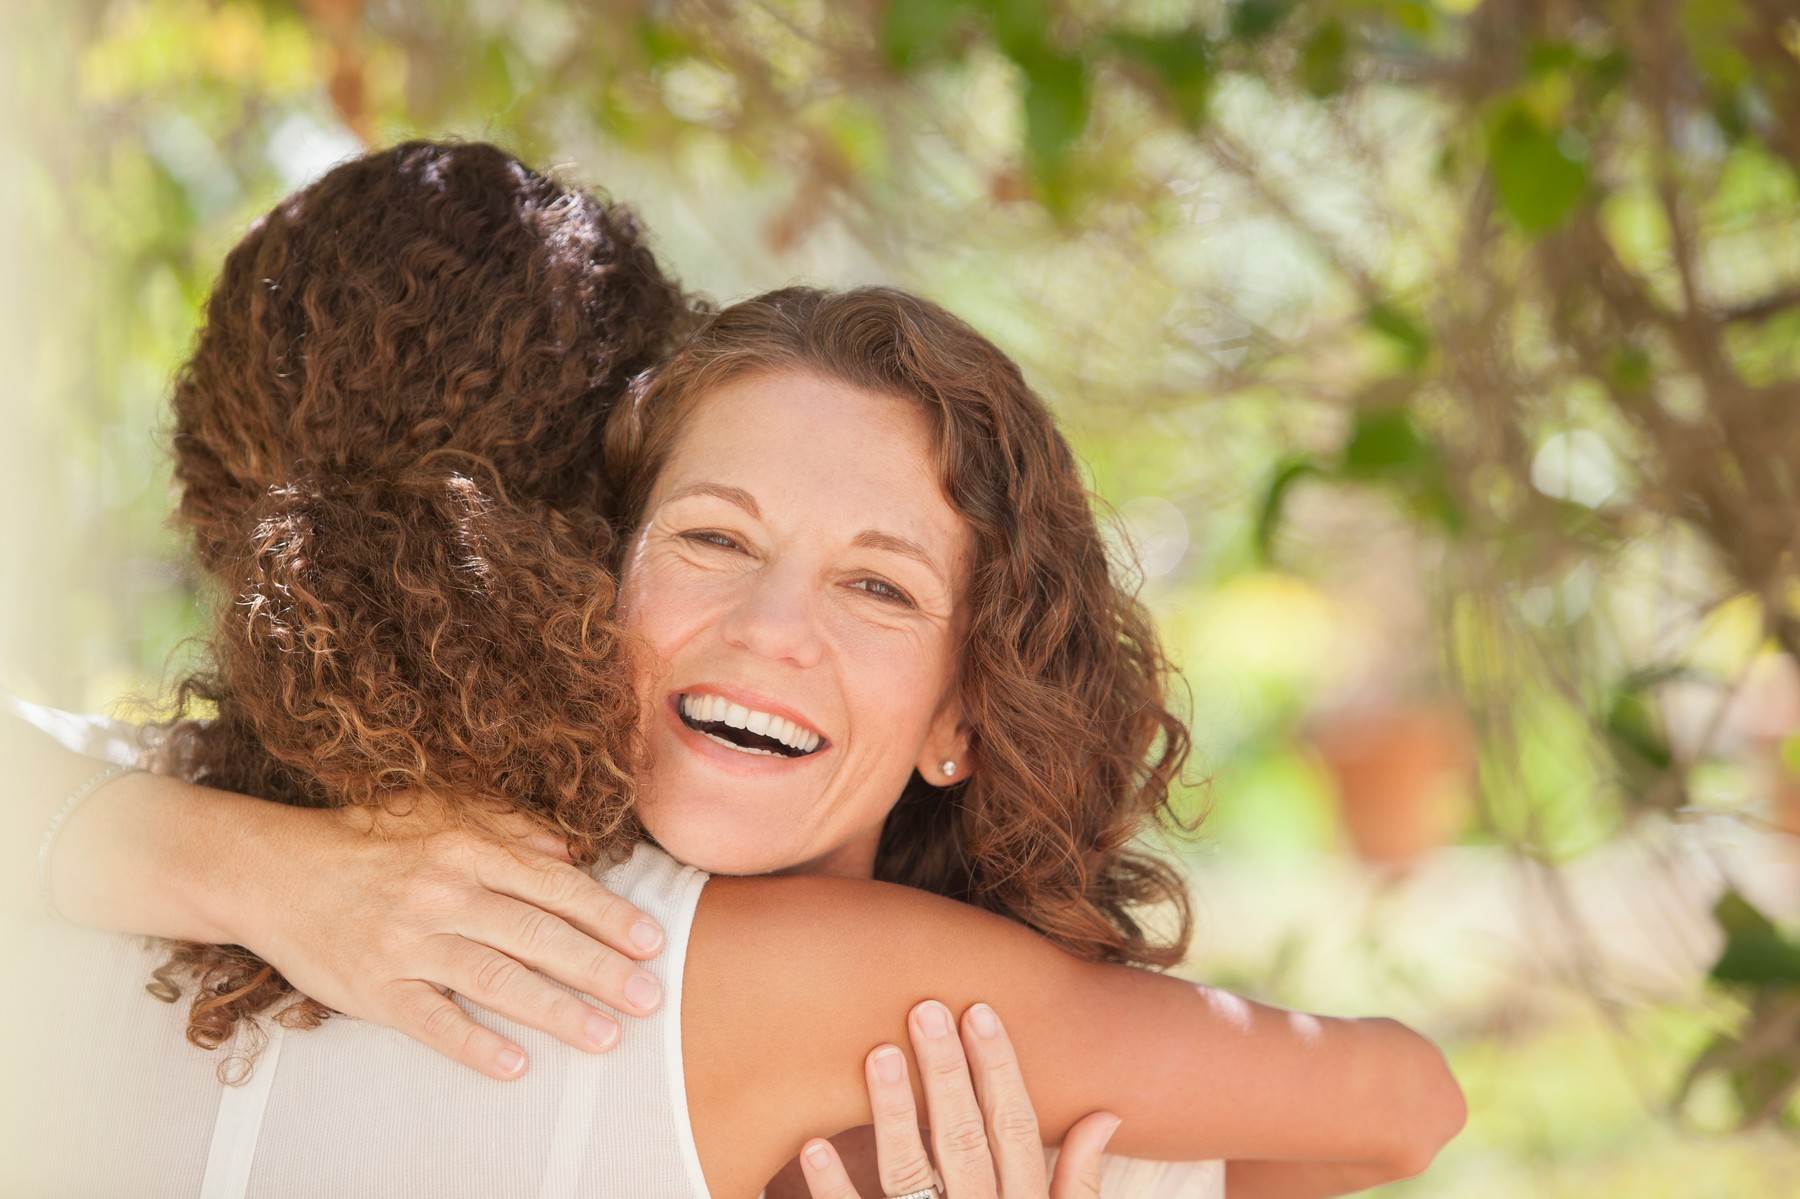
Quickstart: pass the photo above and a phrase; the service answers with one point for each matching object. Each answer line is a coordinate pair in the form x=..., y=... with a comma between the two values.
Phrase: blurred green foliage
x=1437, y=353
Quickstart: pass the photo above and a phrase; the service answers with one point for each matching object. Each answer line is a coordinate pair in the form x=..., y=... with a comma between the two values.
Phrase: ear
x=949, y=739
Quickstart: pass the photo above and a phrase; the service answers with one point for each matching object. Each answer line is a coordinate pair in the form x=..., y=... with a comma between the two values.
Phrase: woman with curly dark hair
x=866, y=630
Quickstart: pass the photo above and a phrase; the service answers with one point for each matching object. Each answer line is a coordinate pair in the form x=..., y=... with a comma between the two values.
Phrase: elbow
x=1438, y=1111
x=1444, y=1122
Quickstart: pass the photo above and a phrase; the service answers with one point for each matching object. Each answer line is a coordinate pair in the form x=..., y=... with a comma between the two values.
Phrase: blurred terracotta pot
x=1776, y=763
x=1787, y=799
x=1768, y=710
x=1403, y=777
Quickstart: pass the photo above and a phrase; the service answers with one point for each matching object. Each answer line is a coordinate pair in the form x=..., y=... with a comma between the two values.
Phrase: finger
x=504, y=985
x=899, y=1150
x=1078, y=1165
x=429, y=1017
x=545, y=942
x=1012, y=1124
x=958, y=1135
x=571, y=893
x=551, y=844
x=824, y=1171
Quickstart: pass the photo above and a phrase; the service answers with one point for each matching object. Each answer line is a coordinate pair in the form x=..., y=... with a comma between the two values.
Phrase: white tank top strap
x=239, y=1122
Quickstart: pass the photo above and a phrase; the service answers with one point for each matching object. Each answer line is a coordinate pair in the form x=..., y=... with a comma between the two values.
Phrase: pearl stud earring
x=948, y=767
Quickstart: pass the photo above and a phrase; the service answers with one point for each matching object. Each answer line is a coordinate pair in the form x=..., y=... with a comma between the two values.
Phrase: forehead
x=805, y=444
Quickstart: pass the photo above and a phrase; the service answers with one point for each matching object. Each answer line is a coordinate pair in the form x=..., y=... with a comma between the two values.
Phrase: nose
x=774, y=619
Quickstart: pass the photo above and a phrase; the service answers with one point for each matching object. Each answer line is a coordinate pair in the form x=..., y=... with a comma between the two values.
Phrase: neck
x=853, y=859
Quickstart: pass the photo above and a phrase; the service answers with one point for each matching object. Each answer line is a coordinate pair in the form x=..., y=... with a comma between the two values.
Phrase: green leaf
x=1755, y=951
x=1537, y=178
x=913, y=31
x=1739, y=917
x=1431, y=499
x=1182, y=62
x=1020, y=27
x=1757, y=1082
x=1386, y=447
x=1056, y=110
x=1268, y=515
x=1712, y=30
x=1633, y=732
x=1407, y=335
x=1606, y=71
x=1630, y=370
x=1416, y=17
x=1758, y=961
x=1385, y=442
x=1544, y=57
x=1252, y=20
x=1324, y=60
x=663, y=44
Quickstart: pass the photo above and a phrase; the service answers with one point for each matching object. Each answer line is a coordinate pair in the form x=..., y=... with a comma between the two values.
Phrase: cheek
x=895, y=682
x=663, y=607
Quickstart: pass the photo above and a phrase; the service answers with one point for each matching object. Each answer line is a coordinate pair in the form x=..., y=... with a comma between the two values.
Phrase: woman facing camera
x=865, y=633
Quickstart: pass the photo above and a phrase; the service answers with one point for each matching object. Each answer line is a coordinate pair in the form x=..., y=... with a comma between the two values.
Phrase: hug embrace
x=643, y=749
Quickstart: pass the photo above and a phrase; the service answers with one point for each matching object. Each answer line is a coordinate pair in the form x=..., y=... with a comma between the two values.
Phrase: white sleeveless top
x=104, y=1096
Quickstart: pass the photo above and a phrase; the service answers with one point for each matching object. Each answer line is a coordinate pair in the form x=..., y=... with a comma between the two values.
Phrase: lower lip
x=734, y=760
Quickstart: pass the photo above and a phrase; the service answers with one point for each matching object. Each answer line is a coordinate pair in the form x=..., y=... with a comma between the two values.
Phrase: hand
x=984, y=1132
x=378, y=915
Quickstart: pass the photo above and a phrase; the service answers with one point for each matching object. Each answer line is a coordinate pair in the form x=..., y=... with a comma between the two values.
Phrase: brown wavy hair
x=1062, y=678
x=386, y=442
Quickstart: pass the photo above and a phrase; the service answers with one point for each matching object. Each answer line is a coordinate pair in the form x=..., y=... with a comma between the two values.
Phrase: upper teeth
x=709, y=709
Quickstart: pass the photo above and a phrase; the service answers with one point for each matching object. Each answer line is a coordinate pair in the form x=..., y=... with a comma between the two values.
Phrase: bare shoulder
x=798, y=909
x=791, y=981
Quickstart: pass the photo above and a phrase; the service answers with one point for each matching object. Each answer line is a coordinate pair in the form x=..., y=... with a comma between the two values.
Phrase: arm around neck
x=790, y=981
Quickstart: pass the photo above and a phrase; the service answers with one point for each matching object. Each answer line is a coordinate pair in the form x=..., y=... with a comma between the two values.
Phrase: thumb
x=1078, y=1165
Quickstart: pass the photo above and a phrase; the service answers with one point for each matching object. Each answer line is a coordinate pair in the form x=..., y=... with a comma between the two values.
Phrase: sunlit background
x=1437, y=365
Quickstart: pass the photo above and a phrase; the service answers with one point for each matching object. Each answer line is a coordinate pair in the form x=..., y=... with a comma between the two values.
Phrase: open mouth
x=746, y=729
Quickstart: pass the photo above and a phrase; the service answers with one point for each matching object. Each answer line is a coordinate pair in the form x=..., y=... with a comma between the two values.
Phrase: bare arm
x=368, y=920
x=789, y=981
x=1307, y=1180
x=140, y=855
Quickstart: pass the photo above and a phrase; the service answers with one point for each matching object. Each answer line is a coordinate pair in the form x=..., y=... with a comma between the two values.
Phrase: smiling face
x=797, y=578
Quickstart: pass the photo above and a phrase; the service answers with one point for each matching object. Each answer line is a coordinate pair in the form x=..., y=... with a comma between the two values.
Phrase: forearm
x=1196, y=1073
x=142, y=854
x=1302, y=1180
x=1359, y=1099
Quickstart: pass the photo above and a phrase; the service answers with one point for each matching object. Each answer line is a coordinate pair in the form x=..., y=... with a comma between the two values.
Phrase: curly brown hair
x=386, y=441
x=1062, y=678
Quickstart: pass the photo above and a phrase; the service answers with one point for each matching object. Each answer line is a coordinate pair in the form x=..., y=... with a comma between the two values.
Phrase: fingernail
x=601, y=1031
x=646, y=936
x=889, y=1066
x=1116, y=1121
x=983, y=1018
x=934, y=1019
x=643, y=991
x=511, y=1062
x=818, y=1154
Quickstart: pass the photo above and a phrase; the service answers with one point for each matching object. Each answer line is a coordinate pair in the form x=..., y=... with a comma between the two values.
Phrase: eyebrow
x=893, y=543
x=872, y=539
x=731, y=495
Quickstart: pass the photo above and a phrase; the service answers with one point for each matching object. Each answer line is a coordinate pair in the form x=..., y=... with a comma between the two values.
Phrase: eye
x=712, y=537
x=883, y=590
